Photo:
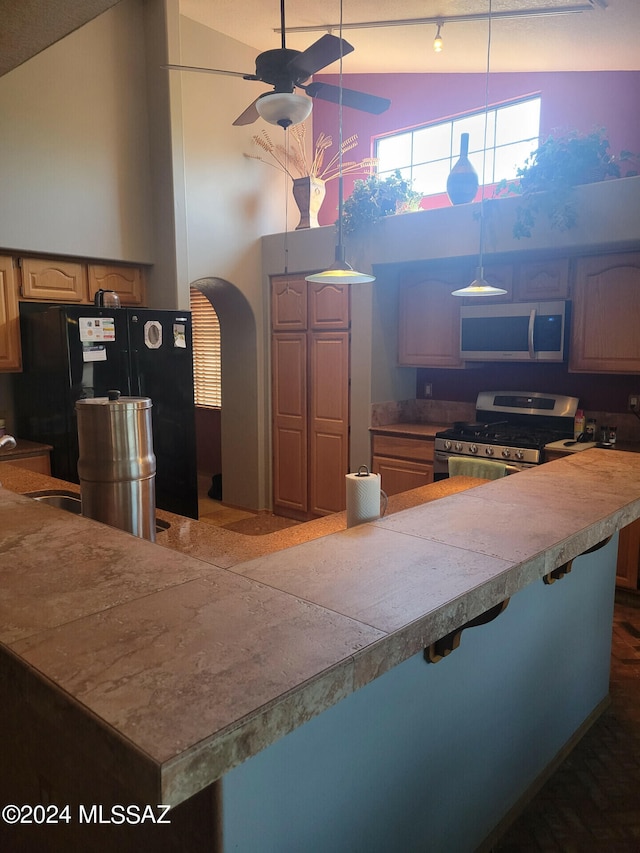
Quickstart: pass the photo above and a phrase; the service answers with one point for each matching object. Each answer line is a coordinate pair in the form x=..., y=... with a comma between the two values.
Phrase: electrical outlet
x=634, y=403
x=428, y=389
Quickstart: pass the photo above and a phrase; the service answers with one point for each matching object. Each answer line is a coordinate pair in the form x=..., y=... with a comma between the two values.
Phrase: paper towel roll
x=363, y=498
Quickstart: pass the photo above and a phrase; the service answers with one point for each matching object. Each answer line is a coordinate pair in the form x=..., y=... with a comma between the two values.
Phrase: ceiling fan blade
x=350, y=98
x=318, y=55
x=210, y=71
x=248, y=116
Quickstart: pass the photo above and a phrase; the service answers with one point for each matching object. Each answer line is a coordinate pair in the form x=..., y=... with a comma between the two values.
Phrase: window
x=206, y=351
x=427, y=154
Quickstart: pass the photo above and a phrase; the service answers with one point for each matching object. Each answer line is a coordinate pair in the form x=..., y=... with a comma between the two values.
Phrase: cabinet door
x=328, y=421
x=288, y=303
x=543, y=280
x=400, y=475
x=10, y=357
x=328, y=306
x=429, y=321
x=289, y=394
x=628, y=556
x=606, y=307
x=54, y=281
x=128, y=282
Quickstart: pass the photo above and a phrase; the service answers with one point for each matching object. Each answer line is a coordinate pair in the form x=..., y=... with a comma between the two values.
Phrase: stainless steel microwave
x=525, y=331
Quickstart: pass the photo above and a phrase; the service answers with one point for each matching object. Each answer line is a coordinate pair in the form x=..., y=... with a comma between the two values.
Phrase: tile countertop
x=409, y=430
x=187, y=668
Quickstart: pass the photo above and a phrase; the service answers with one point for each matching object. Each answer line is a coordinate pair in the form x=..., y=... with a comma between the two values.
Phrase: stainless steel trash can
x=116, y=464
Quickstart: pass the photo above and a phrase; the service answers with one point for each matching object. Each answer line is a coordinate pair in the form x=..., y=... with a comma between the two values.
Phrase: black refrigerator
x=73, y=352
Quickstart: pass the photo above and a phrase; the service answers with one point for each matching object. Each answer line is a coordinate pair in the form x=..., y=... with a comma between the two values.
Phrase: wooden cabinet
x=606, y=308
x=53, y=280
x=542, y=280
x=10, y=357
x=310, y=396
x=429, y=319
x=628, y=568
x=128, y=282
x=403, y=463
x=48, y=280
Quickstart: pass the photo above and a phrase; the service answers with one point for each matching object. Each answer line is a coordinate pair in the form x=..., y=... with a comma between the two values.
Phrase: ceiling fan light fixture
x=340, y=272
x=479, y=287
x=437, y=42
x=283, y=108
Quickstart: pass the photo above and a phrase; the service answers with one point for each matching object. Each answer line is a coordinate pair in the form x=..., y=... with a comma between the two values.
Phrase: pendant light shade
x=479, y=287
x=283, y=108
x=340, y=272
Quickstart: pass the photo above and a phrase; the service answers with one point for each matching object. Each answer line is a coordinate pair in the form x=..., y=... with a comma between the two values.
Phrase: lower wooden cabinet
x=628, y=569
x=403, y=463
x=310, y=400
x=10, y=354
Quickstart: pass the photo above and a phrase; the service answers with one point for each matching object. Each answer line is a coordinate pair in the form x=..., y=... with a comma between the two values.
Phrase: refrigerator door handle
x=136, y=381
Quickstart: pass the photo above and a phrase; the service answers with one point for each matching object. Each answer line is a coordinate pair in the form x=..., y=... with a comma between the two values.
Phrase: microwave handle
x=532, y=320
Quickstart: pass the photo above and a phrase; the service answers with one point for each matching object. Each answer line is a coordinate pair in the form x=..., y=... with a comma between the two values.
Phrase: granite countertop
x=23, y=448
x=187, y=668
x=409, y=430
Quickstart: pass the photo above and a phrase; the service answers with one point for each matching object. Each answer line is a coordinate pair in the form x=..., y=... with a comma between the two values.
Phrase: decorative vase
x=309, y=194
x=462, y=183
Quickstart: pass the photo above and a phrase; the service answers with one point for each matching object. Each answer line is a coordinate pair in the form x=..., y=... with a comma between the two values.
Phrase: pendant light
x=340, y=272
x=480, y=286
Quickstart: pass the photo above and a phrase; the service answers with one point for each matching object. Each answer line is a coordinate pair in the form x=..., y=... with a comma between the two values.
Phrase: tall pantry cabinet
x=310, y=396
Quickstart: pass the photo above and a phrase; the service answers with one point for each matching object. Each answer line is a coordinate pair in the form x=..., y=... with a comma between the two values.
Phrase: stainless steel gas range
x=510, y=426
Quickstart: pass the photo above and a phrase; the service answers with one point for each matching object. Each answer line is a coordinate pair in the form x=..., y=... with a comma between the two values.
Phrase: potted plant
x=375, y=197
x=309, y=177
x=551, y=172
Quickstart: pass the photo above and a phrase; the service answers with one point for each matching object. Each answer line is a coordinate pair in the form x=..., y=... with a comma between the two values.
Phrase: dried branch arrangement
x=292, y=159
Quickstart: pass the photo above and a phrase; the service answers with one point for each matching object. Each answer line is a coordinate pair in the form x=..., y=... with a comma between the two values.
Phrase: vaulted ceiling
x=603, y=36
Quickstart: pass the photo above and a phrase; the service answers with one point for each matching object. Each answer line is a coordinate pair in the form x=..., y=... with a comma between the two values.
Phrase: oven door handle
x=532, y=320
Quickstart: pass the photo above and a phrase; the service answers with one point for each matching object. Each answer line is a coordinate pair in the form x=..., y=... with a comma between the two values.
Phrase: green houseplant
x=550, y=174
x=374, y=198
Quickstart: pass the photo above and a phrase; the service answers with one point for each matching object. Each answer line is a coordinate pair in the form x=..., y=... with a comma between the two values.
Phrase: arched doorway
x=240, y=439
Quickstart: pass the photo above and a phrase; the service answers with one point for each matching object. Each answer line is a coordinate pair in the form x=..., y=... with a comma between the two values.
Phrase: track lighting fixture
x=437, y=42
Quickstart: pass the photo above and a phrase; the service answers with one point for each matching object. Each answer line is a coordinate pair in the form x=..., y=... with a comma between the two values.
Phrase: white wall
x=230, y=201
x=74, y=154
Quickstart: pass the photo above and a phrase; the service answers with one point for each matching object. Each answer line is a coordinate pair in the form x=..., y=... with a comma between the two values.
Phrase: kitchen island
x=132, y=670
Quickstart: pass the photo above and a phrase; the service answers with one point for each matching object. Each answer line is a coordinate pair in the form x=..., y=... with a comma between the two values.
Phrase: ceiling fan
x=286, y=70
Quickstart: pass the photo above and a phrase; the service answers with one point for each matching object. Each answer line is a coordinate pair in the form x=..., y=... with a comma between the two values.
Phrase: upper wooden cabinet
x=54, y=281
x=288, y=304
x=429, y=318
x=298, y=305
x=542, y=280
x=606, y=308
x=10, y=358
x=128, y=282
x=49, y=280
x=328, y=306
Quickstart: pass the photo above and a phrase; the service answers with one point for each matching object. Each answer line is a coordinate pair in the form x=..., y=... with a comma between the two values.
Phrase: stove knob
x=506, y=453
x=489, y=451
x=473, y=448
x=447, y=444
x=458, y=446
x=519, y=454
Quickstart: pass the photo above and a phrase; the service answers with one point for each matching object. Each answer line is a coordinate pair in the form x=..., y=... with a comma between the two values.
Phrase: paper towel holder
x=363, y=471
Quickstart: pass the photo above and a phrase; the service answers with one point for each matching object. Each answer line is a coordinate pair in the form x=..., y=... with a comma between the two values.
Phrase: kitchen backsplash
x=447, y=411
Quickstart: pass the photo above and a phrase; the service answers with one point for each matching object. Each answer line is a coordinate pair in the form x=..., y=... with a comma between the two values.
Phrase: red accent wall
x=576, y=100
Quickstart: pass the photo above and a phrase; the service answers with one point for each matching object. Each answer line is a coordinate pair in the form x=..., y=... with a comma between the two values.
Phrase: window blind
x=207, y=375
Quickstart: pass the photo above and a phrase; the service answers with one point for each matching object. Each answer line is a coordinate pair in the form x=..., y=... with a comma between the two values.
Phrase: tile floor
x=592, y=803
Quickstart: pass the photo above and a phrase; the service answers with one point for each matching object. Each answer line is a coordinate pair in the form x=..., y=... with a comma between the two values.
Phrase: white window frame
x=501, y=145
